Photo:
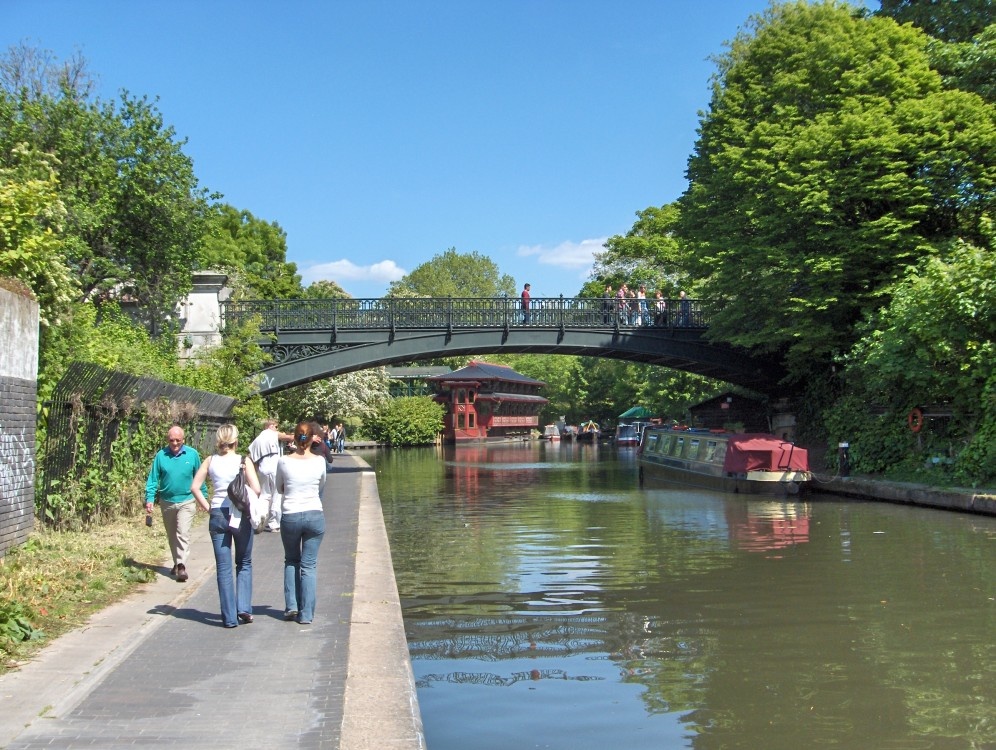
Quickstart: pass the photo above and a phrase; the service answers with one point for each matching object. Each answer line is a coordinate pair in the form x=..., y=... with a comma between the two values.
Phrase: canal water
x=551, y=602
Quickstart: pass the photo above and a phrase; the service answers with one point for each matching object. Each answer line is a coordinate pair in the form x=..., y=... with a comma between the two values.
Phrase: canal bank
x=908, y=493
x=157, y=669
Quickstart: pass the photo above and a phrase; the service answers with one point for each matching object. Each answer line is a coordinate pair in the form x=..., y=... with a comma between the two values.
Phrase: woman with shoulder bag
x=301, y=479
x=227, y=525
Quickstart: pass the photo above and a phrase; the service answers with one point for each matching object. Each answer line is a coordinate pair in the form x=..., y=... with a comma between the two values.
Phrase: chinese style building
x=485, y=402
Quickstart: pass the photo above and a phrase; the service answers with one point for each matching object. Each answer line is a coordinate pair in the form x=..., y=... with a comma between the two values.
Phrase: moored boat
x=627, y=435
x=755, y=463
x=588, y=432
x=551, y=432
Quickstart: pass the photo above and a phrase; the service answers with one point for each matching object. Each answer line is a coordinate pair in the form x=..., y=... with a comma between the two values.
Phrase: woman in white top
x=226, y=525
x=301, y=479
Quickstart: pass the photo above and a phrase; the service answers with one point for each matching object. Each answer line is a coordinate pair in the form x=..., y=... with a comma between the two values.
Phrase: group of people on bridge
x=628, y=307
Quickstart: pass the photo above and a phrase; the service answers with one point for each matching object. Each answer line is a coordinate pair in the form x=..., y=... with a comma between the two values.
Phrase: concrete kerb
x=381, y=705
x=63, y=673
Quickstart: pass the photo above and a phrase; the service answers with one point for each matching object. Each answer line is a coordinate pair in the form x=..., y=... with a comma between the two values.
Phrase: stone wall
x=18, y=415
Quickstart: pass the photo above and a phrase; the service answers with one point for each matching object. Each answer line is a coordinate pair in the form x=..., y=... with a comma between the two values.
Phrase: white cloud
x=571, y=255
x=343, y=271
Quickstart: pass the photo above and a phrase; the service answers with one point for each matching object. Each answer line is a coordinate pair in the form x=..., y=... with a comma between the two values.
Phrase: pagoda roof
x=477, y=371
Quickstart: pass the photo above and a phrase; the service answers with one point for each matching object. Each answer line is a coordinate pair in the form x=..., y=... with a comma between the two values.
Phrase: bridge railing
x=464, y=312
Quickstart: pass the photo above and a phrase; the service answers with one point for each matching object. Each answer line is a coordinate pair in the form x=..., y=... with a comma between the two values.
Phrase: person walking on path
x=525, y=304
x=340, y=438
x=169, y=479
x=264, y=451
x=301, y=479
x=227, y=526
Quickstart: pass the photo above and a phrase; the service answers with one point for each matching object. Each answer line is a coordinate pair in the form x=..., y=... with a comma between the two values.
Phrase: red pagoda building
x=487, y=402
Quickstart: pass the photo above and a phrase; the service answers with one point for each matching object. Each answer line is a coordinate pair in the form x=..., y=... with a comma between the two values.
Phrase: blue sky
x=379, y=134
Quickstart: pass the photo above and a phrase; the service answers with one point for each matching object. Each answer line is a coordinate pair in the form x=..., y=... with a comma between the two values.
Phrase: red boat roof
x=762, y=452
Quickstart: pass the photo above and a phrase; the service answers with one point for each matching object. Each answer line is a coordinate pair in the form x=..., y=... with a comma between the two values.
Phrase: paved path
x=158, y=670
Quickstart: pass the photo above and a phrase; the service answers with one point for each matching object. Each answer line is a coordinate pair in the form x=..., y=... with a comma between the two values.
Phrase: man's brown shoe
x=181, y=573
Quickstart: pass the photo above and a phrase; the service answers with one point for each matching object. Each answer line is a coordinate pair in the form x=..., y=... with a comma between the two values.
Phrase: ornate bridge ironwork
x=313, y=339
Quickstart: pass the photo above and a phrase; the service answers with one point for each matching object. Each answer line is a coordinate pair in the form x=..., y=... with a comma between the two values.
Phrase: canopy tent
x=637, y=412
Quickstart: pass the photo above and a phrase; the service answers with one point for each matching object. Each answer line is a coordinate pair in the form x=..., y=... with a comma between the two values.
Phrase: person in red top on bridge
x=525, y=304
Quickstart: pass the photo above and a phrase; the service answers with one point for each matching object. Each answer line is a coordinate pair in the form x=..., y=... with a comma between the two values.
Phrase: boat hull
x=778, y=484
x=752, y=464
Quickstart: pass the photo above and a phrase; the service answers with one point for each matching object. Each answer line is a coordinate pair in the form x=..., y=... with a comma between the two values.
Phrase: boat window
x=651, y=443
x=676, y=448
x=710, y=451
x=720, y=451
x=693, y=449
x=666, y=444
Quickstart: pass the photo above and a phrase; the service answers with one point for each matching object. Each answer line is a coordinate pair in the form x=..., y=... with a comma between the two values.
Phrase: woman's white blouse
x=221, y=471
x=301, y=481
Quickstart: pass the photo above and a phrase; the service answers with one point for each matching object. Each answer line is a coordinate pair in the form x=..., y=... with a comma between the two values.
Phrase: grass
x=53, y=582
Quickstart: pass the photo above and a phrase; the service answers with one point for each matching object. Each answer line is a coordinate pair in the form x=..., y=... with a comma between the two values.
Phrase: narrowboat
x=628, y=434
x=588, y=432
x=551, y=432
x=753, y=463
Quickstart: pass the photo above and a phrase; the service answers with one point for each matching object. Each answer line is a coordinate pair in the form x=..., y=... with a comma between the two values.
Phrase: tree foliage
x=950, y=20
x=351, y=398
x=933, y=346
x=411, y=420
x=31, y=220
x=649, y=254
x=829, y=161
x=134, y=211
x=252, y=251
x=323, y=289
x=453, y=274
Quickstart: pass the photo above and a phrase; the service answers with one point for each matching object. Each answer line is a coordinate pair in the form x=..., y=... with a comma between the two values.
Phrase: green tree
x=252, y=251
x=950, y=20
x=970, y=66
x=649, y=254
x=934, y=344
x=324, y=289
x=31, y=221
x=412, y=420
x=453, y=274
x=134, y=211
x=829, y=161
x=352, y=398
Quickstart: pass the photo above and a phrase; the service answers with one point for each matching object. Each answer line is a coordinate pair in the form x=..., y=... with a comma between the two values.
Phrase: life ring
x=915, y=419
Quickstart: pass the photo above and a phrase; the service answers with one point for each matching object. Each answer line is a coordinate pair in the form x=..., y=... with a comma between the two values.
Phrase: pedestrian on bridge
x=525, y=304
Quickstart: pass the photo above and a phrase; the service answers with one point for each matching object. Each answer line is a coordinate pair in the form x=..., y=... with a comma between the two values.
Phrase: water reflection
x=621, y=617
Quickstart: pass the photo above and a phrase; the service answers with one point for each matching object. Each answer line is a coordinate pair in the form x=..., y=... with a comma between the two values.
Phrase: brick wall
x=18, y=410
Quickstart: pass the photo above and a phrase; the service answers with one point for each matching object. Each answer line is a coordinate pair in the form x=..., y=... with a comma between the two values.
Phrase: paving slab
x=159, y=670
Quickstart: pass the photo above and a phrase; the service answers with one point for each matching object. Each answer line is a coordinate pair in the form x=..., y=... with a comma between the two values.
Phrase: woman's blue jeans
x=235, y=595
x=302, y=535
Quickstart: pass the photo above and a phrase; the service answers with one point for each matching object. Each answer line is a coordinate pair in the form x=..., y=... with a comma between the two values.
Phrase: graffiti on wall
x=17, y=463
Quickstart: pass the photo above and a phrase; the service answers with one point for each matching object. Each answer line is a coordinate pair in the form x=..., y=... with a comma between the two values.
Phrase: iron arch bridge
x=313, y=339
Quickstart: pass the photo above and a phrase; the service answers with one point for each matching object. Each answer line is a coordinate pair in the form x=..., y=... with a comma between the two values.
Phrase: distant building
x=484, y=401
x=731, y=411
x=411, y=381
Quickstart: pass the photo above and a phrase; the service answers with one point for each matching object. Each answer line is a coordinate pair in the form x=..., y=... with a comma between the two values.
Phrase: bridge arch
x=315, y=339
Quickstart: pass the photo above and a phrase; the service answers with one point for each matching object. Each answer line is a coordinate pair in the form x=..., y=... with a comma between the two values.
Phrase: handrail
x=463, y=312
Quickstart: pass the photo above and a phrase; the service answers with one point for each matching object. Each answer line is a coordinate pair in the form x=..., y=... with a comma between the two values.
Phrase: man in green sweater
x=170, y=478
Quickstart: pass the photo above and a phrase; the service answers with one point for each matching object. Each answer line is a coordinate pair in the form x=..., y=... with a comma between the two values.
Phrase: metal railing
x=461, y=312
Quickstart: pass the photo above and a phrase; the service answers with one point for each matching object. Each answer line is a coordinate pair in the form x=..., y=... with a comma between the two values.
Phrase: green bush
x=415, y=420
